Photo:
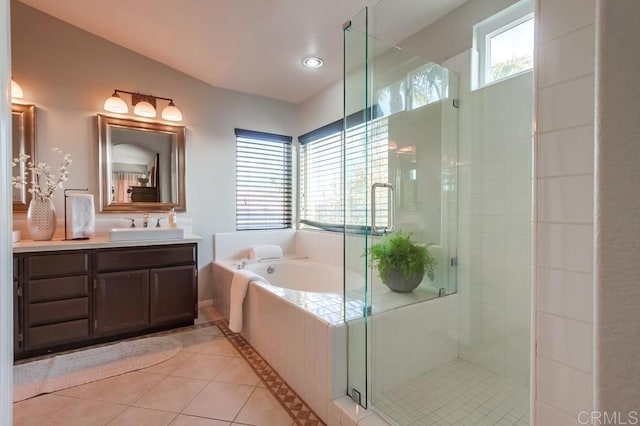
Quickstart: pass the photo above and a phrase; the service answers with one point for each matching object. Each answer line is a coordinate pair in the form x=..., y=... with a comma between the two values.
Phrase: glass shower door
x=356, y=204
x=400, y=175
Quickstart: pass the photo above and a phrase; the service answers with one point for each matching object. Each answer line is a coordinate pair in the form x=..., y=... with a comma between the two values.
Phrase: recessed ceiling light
x=312, y=62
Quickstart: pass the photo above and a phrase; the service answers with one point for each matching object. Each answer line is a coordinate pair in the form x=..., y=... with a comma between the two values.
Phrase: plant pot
x=41, y=219
x=396, y=281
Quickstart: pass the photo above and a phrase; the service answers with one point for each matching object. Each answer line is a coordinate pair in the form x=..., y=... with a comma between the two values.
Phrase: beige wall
x=455, y=27
x=68, y=73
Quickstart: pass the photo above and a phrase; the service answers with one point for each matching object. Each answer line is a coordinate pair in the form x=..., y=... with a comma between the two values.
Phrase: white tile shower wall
x=320, y=246
x=309, y=354
x=564, y=181
x=236, y=245
x=410, y=341
x=494, y=278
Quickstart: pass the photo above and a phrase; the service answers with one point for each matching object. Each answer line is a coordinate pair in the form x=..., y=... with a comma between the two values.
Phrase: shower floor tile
x=458, y=393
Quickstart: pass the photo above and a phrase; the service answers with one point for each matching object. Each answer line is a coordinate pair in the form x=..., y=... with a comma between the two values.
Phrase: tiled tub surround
x=300, y=334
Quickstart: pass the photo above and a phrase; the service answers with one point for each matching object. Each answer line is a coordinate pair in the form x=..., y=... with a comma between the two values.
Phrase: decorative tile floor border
x=301, y=413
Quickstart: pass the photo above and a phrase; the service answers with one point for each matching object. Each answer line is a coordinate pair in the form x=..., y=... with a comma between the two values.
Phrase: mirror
x=142, y=165
x=23, y=119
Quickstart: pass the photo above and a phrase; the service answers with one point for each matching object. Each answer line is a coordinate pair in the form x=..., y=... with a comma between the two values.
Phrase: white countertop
x=26, y=246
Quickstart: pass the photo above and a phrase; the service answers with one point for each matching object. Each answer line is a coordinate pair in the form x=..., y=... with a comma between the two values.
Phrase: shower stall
x=424, y=154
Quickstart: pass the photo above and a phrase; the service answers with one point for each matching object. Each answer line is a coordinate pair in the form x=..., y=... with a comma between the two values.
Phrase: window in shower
x=321, y=165
x=263, y=180
x=424, y=85
x=429, y=83
x=504, y=44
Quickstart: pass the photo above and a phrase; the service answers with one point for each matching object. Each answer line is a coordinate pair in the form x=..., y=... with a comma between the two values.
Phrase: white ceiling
x=251, y=46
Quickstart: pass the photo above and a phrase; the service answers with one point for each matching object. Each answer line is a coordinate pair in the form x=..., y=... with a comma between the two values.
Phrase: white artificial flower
x=43, y=182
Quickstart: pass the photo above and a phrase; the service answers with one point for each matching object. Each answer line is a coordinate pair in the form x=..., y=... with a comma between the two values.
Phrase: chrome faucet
x=244, y=262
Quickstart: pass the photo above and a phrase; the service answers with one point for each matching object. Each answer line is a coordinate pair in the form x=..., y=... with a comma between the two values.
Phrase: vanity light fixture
x=312, y=62
x=144, y=109
x=16, y=90
x=144, y=105
x=116, y=104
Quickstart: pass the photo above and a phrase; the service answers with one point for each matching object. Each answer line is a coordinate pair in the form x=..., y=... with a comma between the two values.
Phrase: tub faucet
x=244, y=262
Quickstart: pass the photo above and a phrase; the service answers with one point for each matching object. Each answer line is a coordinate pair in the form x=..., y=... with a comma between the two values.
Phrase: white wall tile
x=550, y=416
x=566, y=199
x=494, y=169
x=518, y=225
x=565, y=246
x=566, y=152
x=569, y=294
x=496, y=188
x=567, y=57
x=494, y=224
x=519, y=206
x=565, y=147
x=562, y=17
x=565, y=105
x=564, y=387
x=566, y=341
x=236, y=245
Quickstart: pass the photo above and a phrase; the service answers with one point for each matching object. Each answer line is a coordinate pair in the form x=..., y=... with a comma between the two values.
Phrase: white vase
x=41, y=219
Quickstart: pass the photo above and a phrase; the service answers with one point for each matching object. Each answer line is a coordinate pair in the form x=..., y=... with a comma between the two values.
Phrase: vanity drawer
x=45, y=265
x=56, y=334
x=58, y=311
x=145, y=258
x=57, y=288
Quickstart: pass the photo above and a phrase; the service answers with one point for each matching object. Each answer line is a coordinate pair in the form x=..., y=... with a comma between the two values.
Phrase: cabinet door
x=121, y=302
x=173, y=295
x=17, y=322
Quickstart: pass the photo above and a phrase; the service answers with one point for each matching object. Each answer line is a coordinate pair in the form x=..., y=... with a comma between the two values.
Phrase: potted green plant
x=401, y=262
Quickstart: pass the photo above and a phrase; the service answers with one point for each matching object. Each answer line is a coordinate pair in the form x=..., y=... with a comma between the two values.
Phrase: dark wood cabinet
x=121, y=302
x=17, y=326
x=18, y=336
x=56, y=298
x=171, y=299
x=75, y=298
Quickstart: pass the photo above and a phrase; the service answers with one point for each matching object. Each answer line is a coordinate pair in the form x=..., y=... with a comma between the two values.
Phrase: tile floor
x=458, y=393
x=207, y=384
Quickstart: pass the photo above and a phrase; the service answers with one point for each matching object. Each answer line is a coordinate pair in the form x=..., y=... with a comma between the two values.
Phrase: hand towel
x=265, y=251
x=239, y=285
x=82, y=216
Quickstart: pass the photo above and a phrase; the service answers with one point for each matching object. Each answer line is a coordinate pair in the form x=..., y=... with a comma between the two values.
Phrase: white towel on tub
x=265, y=251
x=239, y=285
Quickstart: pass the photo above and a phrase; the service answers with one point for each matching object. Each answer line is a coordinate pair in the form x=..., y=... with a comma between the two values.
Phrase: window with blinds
x=263, y=180
x=321, y=175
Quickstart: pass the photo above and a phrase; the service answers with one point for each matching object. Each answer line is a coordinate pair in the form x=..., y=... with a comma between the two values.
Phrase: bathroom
x=566, y=286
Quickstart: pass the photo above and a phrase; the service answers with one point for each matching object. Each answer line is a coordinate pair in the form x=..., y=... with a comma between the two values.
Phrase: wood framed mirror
x=23, y=131
x=142, y=165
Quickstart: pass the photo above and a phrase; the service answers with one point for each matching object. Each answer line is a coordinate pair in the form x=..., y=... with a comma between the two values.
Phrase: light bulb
x=16, y=90
x=172, y=113
x=312, y=62
x=144, y=109
x=116, y=104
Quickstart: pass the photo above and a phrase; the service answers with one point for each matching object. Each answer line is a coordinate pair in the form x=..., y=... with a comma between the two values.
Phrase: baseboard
x=205, y=303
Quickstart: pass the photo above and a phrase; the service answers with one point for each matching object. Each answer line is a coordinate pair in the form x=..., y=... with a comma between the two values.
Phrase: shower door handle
x=391, y=221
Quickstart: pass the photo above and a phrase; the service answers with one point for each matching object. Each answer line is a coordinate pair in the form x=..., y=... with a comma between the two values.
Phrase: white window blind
x=263, y=180
x=321, y=175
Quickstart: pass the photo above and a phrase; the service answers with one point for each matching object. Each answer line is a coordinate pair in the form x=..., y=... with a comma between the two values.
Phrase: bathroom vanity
x=69, y=294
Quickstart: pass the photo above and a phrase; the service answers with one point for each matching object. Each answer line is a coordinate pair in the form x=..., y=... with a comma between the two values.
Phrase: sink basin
x=145, y=234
